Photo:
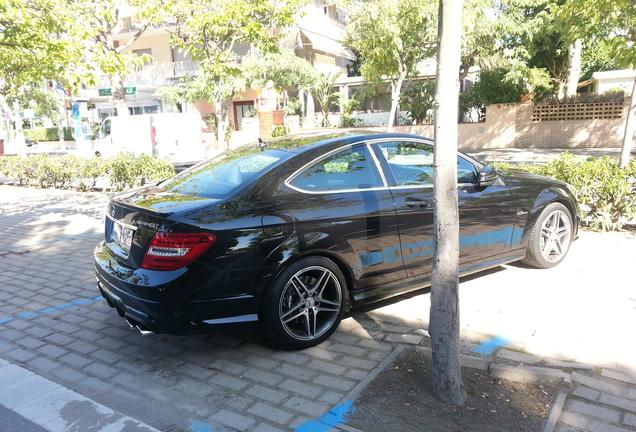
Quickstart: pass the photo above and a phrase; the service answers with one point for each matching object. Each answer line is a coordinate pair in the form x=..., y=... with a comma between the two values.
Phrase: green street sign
x=132, y=90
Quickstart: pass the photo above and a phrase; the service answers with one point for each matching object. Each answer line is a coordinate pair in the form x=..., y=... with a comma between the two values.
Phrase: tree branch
x=132, y=40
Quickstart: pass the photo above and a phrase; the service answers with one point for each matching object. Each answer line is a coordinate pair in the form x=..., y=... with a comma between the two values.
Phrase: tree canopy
x=212, y=31
x=36, y=42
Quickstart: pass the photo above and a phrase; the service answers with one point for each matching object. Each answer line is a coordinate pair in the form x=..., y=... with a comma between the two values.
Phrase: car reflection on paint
x=292, y=235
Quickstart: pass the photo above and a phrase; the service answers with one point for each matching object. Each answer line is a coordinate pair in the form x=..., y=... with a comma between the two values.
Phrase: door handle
x=416, y=202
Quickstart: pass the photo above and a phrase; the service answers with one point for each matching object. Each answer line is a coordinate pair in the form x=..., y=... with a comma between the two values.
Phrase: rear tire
x=550, y=237
x=305, y=303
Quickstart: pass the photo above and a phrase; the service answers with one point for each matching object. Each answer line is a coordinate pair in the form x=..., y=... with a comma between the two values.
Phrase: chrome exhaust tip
x=144, y=332
x=131, y=325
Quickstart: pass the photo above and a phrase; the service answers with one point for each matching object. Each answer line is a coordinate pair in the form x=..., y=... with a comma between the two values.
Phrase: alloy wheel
x=555, y=236
x=310, y=303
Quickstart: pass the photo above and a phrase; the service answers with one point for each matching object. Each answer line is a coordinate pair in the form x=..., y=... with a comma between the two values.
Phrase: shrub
x=293, y=107
x=606, y=193
x=48, y=134
x=90, y=170
x=417, y=100
x=127, y=170
x=279, y=131
x=124, y=171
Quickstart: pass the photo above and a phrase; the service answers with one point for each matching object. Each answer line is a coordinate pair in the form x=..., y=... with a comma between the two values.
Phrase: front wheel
x=305, y=303
x=550, y=237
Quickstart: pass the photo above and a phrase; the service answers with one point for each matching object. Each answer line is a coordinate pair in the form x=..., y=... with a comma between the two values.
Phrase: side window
x=466, y=172
x=411, y=163
x=352, y=168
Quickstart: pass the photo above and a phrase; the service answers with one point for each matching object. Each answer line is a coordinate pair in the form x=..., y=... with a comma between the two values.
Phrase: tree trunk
x=396, y=88
x=574, y=70
x=60, y=127
x=119, y=95
x=444, y=313
x=561, y=90
x=630, y=125
x=220, y=121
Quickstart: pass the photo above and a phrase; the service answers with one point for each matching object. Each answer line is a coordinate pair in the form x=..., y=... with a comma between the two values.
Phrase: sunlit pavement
x=54, y=325
x=584, y=309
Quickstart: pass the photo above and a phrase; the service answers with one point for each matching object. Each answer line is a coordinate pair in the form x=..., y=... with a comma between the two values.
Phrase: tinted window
x=352, y=168
x=220, y=177
x=411, y=163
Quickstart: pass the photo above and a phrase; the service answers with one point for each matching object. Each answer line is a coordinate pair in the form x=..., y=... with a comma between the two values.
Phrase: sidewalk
x=535, y=155
x=53, y=407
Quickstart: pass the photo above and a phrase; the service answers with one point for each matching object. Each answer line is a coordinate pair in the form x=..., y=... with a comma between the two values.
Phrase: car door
x=486, y=214
x=408, y=166
x=343, y=207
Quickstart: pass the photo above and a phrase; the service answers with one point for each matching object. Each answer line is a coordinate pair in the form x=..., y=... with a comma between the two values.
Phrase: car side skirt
x=424, y=281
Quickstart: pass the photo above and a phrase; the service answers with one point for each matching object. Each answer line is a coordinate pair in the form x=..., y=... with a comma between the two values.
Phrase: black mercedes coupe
x=293, y=234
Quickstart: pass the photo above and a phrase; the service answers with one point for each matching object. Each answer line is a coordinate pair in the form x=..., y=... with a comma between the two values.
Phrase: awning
x=318, y=42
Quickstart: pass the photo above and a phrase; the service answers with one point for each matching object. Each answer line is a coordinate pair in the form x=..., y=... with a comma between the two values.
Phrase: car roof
x=303, y=142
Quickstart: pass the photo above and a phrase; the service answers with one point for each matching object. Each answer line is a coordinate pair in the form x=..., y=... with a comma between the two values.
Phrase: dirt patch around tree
x=400, y=399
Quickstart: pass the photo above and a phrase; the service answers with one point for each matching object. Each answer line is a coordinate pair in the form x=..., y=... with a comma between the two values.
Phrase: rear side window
x=352, y=168
x=220, y=177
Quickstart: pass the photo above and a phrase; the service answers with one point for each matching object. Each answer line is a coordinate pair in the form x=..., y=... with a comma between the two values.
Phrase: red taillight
x=170, y=251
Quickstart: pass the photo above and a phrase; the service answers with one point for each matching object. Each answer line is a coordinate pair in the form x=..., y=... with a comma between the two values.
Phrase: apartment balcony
x=158, y=74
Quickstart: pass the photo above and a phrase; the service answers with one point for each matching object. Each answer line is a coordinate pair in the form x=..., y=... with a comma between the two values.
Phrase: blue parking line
x=333, y=418
x=199, y=426
x=488, y=346
x=28, y=314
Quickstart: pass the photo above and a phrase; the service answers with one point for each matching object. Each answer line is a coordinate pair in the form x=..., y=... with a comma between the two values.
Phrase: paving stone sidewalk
x=53, y=324
x=592, y=399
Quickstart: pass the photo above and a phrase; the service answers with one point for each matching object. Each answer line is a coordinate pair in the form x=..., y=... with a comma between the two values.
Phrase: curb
x=555, y=412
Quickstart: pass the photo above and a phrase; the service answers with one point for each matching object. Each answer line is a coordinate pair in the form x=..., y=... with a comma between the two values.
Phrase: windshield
x=222, y=176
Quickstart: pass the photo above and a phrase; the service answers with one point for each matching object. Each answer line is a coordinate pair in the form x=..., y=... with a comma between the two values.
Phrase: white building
x=614, y=80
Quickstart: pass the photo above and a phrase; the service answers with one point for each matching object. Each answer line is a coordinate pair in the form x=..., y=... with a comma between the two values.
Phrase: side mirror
x=488, y=176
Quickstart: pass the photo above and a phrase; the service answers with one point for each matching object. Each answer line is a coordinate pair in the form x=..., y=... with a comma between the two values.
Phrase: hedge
x=48, y=134
x=122, y=172
x=606, y=193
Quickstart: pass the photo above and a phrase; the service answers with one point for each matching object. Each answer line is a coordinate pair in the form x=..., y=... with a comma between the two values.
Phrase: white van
x=173, y=136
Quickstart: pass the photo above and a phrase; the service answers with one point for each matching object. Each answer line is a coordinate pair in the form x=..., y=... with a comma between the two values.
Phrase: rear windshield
x=222, y=176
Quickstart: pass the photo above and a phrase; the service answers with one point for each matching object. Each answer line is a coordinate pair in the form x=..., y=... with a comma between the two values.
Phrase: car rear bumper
x=150, y=307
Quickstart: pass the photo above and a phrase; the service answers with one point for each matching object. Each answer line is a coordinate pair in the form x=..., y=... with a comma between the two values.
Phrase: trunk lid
x=132, y=219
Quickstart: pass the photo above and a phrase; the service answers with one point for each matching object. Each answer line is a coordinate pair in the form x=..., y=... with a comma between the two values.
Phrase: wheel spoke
x=292, y=310
x=320, y=284
x=556, y=247
x=299, y=314
x=327, y=309
x=310, y=323
x=557, y=221
x=329, y=302
x=547, y=248
x=295, y=280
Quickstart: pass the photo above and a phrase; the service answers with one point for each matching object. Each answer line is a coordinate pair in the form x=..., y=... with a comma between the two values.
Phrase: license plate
x=122, y=235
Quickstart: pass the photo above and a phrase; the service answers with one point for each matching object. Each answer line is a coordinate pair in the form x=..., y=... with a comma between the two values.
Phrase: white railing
x=161, y=73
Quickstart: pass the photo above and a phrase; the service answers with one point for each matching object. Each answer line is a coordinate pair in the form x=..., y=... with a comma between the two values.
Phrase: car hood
x=159, y=200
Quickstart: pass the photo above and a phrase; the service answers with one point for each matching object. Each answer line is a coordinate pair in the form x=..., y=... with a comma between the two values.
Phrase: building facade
x=317, y=37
